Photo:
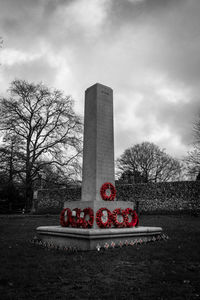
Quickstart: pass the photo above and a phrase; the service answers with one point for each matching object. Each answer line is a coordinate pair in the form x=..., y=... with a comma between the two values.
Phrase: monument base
x=92, y=239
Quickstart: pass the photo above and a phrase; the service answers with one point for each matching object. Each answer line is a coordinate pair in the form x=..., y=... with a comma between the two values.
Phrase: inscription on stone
x=105, y=92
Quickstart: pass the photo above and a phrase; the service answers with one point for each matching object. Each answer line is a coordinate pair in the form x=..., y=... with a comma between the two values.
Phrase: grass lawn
x=157, y=270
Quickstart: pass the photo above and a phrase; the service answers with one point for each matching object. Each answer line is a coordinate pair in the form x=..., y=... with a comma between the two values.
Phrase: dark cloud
x=146, y=50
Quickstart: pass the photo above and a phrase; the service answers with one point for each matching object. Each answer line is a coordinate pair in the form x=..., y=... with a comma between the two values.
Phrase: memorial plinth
x=92, y=239
x=98, y=168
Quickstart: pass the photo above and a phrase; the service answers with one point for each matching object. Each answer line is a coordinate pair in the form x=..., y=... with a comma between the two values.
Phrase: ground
x=157, y=270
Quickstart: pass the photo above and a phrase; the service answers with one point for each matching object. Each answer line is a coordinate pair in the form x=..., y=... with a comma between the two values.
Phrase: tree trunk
x=28, y=190
x=29, y=196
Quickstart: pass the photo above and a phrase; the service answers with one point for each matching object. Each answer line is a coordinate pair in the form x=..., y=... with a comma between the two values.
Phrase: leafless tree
x=150, y=162
x=192, y=160
x=11, y=159
x=49, y=130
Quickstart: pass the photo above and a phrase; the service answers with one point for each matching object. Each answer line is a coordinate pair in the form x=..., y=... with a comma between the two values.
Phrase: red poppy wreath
x=100, y=218
x=108, y=191
x=75, y=221
x=119, y=212
x=135, y=220
x=66, y=212
x=88, y=223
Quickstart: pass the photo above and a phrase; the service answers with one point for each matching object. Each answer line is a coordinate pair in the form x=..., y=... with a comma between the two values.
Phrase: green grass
x=157, y=270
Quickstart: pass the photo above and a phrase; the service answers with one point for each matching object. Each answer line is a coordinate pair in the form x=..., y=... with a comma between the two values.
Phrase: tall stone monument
x=98, y=150
x=98, y=169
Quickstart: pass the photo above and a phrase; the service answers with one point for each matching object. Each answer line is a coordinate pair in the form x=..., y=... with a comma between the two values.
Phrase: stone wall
x=51, y=201
x=164, y=197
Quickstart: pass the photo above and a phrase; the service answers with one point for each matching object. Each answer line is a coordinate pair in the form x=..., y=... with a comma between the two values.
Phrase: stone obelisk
x=98, y=169
x=98, y=150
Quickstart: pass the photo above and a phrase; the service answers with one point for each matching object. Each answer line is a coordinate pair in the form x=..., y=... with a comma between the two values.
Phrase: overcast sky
x=147, y=51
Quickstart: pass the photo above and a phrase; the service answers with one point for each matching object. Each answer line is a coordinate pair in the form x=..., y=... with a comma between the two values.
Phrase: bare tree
x=192, y=160
x=148, y=162
x=11, y=159
x=49, y=130
x=53, y=177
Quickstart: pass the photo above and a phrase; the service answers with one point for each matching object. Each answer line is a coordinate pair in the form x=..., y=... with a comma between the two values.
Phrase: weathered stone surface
x=52, y=200
x=89, y=239
x=163, y=196
x=98, y=150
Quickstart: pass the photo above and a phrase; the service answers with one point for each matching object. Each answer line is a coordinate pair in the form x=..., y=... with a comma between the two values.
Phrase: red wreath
x=75, y=221
x=63, y=221
x=112, y=189
x=99, y=215
x=88, y=224
x=135, y=220
x=119, y=211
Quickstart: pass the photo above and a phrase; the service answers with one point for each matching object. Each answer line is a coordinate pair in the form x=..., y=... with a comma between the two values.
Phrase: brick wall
x=164, y=197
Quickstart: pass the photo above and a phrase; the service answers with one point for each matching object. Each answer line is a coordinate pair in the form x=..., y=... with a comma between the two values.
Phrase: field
x=156, y=270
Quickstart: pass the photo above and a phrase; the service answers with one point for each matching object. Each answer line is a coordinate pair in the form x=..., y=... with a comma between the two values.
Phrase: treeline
x=41, y=147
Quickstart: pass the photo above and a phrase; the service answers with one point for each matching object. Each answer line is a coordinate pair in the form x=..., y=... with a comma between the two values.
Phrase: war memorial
x=98, y=220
